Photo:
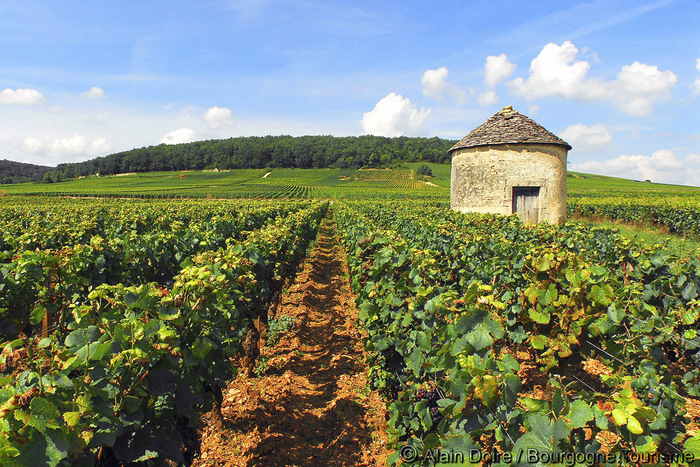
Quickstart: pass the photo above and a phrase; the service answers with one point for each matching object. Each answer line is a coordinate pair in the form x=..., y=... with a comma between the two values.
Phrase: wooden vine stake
x=45, y=324
x=45, y=319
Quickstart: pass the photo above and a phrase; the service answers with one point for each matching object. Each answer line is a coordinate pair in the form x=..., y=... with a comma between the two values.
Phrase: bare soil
x=311, y=404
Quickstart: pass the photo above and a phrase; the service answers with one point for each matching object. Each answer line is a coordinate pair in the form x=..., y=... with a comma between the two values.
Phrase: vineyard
x=677, y=214
x=245, y=183
x=674, y=209
x=124, y=320
x=143, y=305
x=493, y=337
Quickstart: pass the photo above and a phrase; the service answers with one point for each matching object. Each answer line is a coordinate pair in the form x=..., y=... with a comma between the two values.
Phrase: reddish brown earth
x=312, y=404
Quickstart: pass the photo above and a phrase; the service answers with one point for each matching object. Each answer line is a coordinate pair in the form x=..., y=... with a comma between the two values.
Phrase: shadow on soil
x=315, y=419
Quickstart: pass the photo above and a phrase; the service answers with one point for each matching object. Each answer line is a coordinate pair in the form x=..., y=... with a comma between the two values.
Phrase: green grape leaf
x=601, y=294
x=580, y=414
x=541, y=317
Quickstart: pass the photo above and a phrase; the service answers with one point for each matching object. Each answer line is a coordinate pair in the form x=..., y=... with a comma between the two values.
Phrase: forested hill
x=20, y=172
x=266, y=151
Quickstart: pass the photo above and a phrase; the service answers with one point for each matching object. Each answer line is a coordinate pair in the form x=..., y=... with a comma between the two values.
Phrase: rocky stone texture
x=508, y=151
x=506, y=127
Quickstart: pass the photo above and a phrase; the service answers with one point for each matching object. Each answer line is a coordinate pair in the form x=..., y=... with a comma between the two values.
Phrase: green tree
x=425, y=170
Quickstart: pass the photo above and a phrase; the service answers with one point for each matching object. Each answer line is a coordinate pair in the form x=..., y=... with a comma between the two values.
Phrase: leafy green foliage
x=20, y=172
x=675, y=210
x=54, y=252
x=278, y=327
x=136, y=362
x=425, y=170
x=254, y=152
x=539, y=337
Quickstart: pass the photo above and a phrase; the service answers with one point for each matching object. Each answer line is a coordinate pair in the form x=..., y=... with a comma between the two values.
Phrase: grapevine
x=510, y=316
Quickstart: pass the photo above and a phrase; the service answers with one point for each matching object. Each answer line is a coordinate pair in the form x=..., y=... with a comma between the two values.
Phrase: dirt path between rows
x=312, y=405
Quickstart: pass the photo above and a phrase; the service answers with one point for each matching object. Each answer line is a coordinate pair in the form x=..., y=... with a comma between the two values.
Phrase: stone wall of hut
x=483, y=178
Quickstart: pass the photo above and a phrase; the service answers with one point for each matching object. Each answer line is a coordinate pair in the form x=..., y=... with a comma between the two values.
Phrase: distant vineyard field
x=673, y=208
x=248, y=183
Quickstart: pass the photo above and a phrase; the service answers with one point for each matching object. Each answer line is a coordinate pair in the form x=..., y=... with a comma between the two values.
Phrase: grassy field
x=319, y=183
x=253, y=183
x=586, y=183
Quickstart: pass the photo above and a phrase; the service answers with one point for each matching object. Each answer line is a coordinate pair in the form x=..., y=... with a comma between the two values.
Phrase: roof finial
x=507, y=108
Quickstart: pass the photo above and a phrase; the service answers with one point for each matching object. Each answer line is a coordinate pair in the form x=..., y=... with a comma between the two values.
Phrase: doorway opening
x=526, y=203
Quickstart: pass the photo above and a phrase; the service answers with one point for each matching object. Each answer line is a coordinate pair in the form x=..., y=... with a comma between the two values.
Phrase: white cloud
x=21, y=96
x=182, y=135
x=639, y=87
x=217, y=117
x=556, y=72
x=393, y=116
x=93, y=93
x=46, y=134
x=589, y=53
x=587, y=137
x=487, y=98
x=32, y=144
x=76, y=144
x=436, y=87
x=696, y=85
x=497, y=69
x=661, y=167
x=75, y=147
x=99, y=147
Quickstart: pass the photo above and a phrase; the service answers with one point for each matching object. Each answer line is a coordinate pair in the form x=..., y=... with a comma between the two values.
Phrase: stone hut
x=508, y=165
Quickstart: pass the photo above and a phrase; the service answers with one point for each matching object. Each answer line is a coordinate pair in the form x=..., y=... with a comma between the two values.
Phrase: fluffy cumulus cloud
x=70, y=148
x=93, y=93
x=182, y=135
x=77, y=145
x=639, y=87
x=32, y=144
x=556, y=72
x=435, y=86
x=216, y=117
x=393, y=116
x=21, y=97
x=663, y=166
x=73, y=146
x=587, y=137
x=99, y=147
x=497, y=69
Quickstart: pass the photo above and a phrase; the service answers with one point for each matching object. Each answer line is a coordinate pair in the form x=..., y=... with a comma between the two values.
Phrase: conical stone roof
x=506, y=127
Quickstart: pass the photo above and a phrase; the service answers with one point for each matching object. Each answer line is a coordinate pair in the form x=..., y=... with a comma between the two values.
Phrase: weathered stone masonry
x=510, y=157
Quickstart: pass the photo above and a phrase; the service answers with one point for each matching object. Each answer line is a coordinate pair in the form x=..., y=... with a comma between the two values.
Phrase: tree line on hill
x=255, y=152
x=20, y=172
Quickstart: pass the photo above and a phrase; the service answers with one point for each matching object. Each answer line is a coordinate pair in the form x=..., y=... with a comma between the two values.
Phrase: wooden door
x=526, y=202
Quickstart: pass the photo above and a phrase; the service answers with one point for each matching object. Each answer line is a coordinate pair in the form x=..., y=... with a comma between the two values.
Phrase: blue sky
x=618, y=80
